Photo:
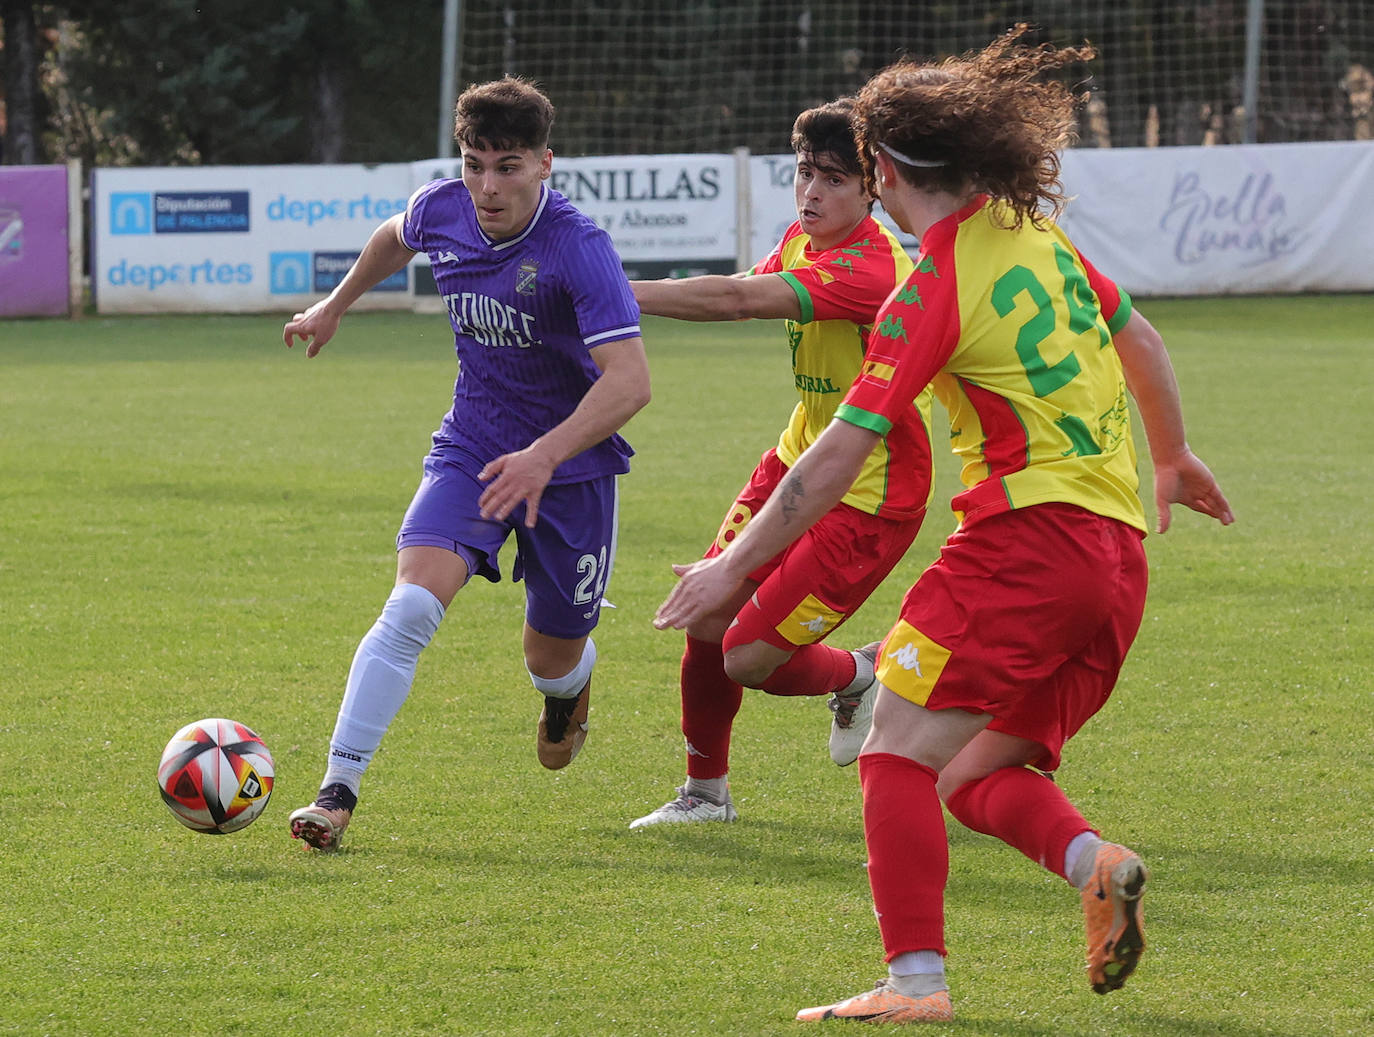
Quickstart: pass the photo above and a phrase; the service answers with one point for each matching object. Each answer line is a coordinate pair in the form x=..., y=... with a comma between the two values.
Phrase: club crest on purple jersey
x=525, y=276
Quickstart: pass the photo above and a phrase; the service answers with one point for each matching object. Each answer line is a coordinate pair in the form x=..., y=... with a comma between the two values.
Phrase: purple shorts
x=565, y=560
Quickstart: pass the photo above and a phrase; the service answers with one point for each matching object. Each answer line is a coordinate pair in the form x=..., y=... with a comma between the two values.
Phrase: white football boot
x=686, y=809
x=853, y=710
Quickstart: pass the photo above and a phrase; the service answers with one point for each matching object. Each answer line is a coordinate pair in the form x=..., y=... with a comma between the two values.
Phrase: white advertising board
x=1235, y=220
x=668, y=215
x=237, y=239
x=1243, y=220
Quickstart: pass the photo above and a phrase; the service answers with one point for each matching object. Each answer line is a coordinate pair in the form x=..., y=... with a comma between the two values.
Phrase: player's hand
x=516, y=477
x=702, y=588
x=1186, y=480
x=315, y=326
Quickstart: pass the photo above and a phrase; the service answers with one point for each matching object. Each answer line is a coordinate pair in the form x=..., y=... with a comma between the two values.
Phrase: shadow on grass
x=1137, y=1024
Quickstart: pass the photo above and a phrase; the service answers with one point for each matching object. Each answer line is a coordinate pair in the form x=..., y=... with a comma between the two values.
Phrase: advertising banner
x=1234, y=220
x=34, y=272
x=668, y=215
x=238, y=239
x=1241, y=219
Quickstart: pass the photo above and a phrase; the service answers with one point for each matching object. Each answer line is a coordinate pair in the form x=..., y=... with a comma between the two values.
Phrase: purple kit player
x=551, y=365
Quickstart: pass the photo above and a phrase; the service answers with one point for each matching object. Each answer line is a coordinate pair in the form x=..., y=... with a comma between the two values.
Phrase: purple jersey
x=525, y=312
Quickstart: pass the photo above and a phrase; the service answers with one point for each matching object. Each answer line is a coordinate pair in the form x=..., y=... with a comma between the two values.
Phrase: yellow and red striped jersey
x=1013, y=329
x=840, y=290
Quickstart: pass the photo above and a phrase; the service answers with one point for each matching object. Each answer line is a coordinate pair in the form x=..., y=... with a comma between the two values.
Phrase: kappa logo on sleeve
x=892, y=328
x=910, y=296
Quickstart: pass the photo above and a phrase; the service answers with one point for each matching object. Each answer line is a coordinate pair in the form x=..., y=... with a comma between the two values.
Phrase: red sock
x=908, y=852
x=813, y=670
x=1024, y=809
x=710, y=701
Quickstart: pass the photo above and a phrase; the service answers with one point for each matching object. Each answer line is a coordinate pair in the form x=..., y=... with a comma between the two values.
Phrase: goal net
x=632, y=77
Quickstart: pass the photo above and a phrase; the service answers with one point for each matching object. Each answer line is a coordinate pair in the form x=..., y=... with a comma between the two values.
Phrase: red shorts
x=1026, y=615
x=822, y=578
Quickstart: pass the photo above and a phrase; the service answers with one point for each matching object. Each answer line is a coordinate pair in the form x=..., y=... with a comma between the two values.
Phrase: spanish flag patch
x=878, y=370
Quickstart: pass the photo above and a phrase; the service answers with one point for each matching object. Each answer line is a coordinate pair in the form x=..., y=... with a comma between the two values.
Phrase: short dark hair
x=826, y=131
x=505, y=113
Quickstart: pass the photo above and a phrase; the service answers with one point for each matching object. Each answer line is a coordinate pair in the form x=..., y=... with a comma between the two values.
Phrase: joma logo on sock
x=346, y=755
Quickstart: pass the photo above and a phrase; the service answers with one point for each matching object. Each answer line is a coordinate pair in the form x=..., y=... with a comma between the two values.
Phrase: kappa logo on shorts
x=525, y=277
x=908, y=657
x=913, y=669
x=810, y=621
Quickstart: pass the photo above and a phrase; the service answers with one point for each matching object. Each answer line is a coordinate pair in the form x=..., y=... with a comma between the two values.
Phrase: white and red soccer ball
x=215, y=776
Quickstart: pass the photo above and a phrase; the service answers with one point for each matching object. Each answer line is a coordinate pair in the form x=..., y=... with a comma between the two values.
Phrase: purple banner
x=34, y=275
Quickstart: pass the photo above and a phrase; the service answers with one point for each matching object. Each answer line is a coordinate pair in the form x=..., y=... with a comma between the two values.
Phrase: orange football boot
x=1113, y=917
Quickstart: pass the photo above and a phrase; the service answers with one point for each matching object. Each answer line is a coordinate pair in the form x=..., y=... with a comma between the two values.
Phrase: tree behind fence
x=709, y=75
x=164, y=82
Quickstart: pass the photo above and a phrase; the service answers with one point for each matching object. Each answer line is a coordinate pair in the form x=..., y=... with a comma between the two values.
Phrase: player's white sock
x=1079, y=857
x=713, y=790
x=863, y=675
x=917, y=973
x=349, y=777
x=567, y=686
x=380, y=678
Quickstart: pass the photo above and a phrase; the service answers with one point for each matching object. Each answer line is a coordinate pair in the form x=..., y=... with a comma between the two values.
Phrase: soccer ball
x=215, y=776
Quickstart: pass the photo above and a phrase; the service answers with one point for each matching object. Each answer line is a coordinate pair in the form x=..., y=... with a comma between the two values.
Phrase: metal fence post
x=1254, y=30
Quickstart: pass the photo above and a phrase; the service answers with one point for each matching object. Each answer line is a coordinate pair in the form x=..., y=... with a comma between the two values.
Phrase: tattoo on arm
x=790, y=497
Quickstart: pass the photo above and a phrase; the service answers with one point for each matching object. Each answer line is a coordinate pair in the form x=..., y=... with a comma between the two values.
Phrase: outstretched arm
x=718, y=297
x=383, y=255
x=814, y=485
x=1180, y=476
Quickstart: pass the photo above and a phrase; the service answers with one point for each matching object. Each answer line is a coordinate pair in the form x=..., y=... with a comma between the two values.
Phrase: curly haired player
x=1014, y=637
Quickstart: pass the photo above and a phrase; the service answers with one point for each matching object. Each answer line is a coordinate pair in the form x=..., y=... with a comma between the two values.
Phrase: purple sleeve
x=604, y=303
x=414, y=217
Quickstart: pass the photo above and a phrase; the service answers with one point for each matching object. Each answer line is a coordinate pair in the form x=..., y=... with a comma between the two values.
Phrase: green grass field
x=195, y=522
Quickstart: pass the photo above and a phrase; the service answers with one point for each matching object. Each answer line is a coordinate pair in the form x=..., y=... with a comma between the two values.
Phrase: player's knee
x=412, y=614
x=570, y=681
x=711, y=628
x=950, y=786
x=748, y=667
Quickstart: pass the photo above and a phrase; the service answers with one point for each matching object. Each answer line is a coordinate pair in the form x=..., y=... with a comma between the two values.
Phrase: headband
x=921, y=163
